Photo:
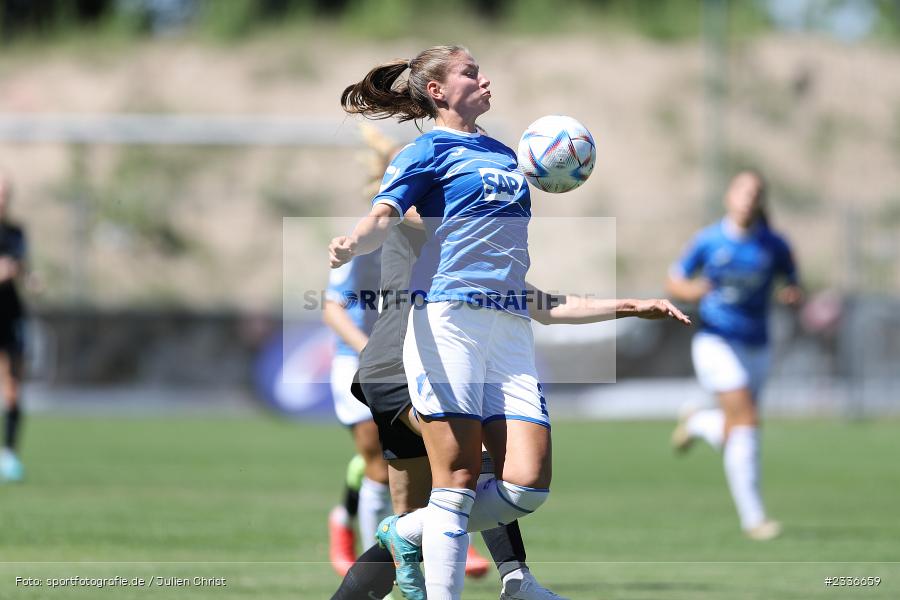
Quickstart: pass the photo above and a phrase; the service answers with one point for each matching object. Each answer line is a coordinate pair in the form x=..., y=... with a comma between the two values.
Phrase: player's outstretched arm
x=368, y=235
x=687, y=290
x=550, y=309
x=336, y=317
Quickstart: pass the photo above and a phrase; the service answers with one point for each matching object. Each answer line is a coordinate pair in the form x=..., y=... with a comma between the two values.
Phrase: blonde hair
x=382, y=151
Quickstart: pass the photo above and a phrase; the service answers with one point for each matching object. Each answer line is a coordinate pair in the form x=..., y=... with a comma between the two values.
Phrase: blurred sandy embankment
x=199, y=229
x=201, y=226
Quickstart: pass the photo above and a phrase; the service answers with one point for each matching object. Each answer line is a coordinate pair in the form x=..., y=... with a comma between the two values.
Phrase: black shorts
x=12, y=337
x=387, y=401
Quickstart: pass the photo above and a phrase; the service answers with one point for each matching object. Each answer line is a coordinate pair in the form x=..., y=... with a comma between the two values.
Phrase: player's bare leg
x=374, y=494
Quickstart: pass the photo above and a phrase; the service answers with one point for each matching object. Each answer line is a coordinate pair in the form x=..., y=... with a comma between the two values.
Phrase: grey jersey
x=382, y=358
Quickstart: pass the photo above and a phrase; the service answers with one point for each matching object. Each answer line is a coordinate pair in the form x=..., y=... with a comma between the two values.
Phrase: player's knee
x=740, y=415
x=372, y=455
x=368, y=445
x=10, y=396
x=529, y=474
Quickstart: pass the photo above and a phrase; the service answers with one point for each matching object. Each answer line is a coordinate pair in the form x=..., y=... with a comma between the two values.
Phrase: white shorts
x=724, y=365
x=471, y=362
x=348, y=409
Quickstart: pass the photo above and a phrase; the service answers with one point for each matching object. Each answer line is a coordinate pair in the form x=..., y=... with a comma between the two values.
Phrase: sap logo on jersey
x=501, y=185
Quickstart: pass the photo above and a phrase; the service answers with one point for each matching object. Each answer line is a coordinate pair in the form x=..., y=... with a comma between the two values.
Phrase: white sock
x=708, y=425
x=339, y=513
x=444, y=542
x=374, y=505
x=498, y=502
x=491, y=508
x=741, y=459
x=410, y=526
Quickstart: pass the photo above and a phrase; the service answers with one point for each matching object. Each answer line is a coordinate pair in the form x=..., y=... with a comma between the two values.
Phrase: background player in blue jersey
x=13, y=253
x=469, y=350
x=351, y=310
x=730, y=268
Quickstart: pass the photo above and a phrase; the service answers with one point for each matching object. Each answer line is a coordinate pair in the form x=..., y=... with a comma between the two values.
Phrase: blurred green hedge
x=235, y=19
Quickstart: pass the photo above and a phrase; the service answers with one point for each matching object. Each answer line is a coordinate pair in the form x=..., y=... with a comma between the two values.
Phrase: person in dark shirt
x=12, y=315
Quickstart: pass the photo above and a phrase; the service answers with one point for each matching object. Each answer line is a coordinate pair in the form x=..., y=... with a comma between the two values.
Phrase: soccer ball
x=556, y=154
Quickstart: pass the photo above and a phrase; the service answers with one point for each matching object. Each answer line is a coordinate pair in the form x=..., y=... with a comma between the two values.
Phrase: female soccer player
x=12, y=314
x=484, y=247
x=736, y=262
x=381, y=384
x=468, y=351
x=349, y=310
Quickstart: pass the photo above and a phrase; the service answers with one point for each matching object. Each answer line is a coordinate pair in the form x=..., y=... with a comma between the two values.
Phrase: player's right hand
x=341, y=250
x=660, y=308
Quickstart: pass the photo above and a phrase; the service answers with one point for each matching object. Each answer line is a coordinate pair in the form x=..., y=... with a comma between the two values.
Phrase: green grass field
x=246, y=499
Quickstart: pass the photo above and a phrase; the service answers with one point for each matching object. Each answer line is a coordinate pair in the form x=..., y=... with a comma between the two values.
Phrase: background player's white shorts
x=348, y=409
x=471, y=362
x=724, y=365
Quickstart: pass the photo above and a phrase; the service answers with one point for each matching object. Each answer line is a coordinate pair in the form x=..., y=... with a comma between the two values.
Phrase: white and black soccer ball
x=556, y=154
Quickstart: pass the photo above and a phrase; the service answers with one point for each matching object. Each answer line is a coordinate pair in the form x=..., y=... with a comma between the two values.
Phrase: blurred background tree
x=231, y=19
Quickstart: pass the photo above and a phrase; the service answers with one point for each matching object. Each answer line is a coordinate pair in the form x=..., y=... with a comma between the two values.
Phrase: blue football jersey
x=476, y=207
x=355, y=286
x=741, y=270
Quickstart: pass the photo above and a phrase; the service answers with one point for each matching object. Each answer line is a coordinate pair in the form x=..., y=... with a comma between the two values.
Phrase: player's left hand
x=656, y=308
x=341, y=250
x=791, y=295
